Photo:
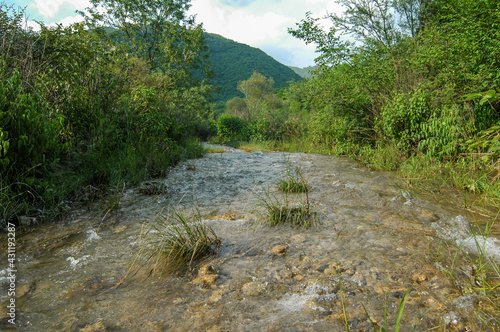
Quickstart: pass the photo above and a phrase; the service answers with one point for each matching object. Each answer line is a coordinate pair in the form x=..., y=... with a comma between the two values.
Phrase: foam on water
x=458, y=230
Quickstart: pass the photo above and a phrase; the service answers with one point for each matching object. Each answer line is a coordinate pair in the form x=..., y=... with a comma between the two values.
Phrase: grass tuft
x=401, y=308
x=283, y=211
x=215, y=150
x=178, y=242
x=294, y=181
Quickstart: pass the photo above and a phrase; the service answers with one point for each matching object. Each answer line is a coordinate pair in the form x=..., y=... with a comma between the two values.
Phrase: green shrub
x=336, y=132
x=440, y=135
x=232, y=128
x=29, y=128
x=402, y=117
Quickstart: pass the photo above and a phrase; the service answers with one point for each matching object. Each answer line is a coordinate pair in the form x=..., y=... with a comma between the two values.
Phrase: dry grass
x=215, y=150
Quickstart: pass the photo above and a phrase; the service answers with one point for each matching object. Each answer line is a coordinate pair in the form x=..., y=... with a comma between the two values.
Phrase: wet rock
x=419, y=277
x=330, y=270
x=253, y=288
x=27, y=221
x=206, y=280
x=322, y=268
x=279, y=249
x=96, y=327
x=153, y=188
x=298, y=277
x=179, y=300
x=314, y=306
x=206, y=276
x=426, y=216
x=155, y=326
x=284, y=274
x=216, y=296
x=226, y=216
x=119, y=229
x=206, y=269
x=22, y=290
x=338, y=184
x=297, y=238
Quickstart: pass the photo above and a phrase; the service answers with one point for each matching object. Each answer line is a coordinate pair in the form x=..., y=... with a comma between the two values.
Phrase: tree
x=256, y=87
x=259, y=93
x=329, y=45
x=413, y=14
x=237, y=106
x=372, y=23
x=158, y=31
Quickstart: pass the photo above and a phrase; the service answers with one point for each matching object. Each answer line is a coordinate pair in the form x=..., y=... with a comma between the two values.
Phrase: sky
x=259, y=23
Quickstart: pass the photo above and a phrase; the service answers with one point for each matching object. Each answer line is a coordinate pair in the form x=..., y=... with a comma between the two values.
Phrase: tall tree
x=378, y=23
x=156, y=30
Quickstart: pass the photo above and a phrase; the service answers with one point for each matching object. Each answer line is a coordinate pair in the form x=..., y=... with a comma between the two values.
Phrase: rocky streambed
x=373, y=240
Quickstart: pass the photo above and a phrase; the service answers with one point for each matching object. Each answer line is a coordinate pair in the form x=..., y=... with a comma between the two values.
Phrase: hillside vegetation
x=233, y=62
x=82, y=115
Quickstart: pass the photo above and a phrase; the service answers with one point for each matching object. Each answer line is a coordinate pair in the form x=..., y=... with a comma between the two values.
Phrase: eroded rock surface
x=373, y=240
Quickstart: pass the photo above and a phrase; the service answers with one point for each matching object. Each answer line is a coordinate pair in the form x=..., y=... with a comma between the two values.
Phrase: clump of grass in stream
x=180, y=241
x=279, y=211
x=175, y=243
x=294, y=181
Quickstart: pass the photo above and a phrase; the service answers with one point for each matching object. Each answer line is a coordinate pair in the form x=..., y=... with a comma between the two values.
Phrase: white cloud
x=258, y=23
x=263, y=24
x=52, y=9
x=70, y=20
x=48, y=8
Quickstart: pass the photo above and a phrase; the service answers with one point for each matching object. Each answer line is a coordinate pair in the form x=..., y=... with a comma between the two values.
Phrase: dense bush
x=231, y=128
x=401, y=119
x=80, y=113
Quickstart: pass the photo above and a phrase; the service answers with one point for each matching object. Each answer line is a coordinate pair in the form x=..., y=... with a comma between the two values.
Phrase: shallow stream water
x=373, y=240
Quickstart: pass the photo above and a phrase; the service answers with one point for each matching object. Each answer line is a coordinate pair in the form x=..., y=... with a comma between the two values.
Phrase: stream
x=373, y=240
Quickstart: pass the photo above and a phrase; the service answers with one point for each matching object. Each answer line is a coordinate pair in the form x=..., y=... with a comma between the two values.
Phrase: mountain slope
x=304, y=72
x=233, y=62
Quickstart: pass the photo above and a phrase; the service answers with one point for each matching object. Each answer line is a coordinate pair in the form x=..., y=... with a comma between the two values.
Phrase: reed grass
x=177, y=242
x=399, y=318
x=280, y=210
x=293, y=181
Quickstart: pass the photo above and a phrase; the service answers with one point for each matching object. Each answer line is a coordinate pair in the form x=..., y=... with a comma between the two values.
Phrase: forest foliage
x=234, y=62
x=401, y=85
x=82, y=112
x=406, y=85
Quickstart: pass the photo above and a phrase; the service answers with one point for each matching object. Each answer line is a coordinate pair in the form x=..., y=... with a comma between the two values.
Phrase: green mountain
x=233, y=62
x=304, y=72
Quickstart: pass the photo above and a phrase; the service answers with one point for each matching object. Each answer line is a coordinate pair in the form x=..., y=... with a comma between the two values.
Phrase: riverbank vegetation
x=411, y=86
x=83, y=110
